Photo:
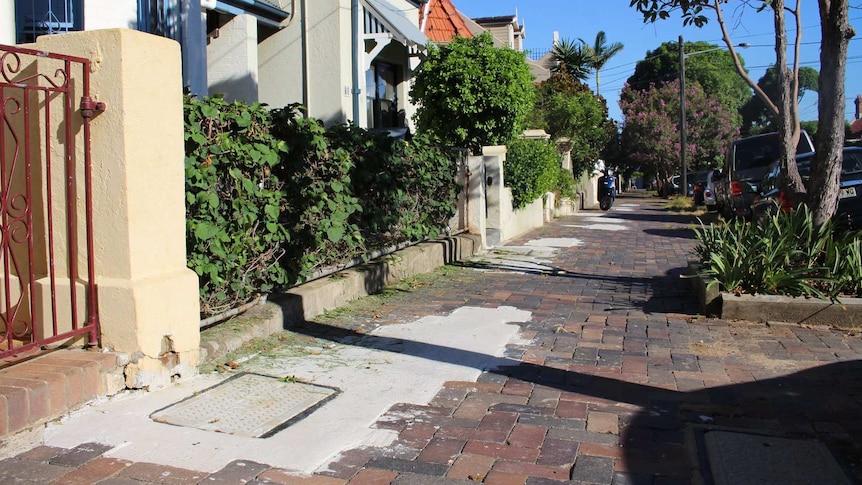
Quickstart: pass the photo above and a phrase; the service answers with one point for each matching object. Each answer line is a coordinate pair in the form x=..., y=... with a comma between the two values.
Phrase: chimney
x=557, y=42
x=859, y=106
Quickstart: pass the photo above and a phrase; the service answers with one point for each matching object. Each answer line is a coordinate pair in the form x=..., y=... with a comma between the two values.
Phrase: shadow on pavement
x=661, y=216
x=660, y=428
x=684, y=233
x=666, y=293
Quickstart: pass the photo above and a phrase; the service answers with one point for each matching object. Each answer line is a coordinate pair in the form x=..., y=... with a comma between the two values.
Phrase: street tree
x=568, y=109
x=756, y=117
x=600, y=53
x=713, y=71
x=650, y=136
x=570, y=57
x=471, y=94
x=835, y=35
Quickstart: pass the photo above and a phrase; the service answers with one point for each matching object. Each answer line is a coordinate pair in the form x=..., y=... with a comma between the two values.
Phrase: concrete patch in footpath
x=399, y=363
x=250, y=405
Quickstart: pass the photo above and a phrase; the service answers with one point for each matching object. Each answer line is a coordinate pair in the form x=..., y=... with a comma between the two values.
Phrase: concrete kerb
x=774, y=308
x=309, y=300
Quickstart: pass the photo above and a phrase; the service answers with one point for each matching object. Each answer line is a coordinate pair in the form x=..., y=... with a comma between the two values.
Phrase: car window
x=852, y=163
x=758, y=152
x=761, y=151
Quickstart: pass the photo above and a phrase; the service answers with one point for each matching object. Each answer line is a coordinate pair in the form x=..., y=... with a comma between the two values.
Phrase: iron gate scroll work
x=45, y=295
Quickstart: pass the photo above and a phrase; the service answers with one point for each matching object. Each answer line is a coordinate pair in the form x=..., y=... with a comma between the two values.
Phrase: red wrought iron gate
x=47, y=268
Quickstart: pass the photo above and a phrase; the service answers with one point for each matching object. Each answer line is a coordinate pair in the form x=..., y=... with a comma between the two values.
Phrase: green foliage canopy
x=572, y=58
x=532, y=168
x=471, y=94
x=713, y=71
x=568, y=109
x=233, y=202
x=756, y=117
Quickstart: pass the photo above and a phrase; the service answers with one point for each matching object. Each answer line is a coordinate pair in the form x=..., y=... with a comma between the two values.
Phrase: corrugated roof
x=443, y=22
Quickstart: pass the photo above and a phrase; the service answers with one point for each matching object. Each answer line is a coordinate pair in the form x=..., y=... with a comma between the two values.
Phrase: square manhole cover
x=742, y=458
x=251, y=405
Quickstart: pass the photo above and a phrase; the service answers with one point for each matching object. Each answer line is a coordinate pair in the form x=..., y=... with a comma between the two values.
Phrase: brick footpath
x=618, y=380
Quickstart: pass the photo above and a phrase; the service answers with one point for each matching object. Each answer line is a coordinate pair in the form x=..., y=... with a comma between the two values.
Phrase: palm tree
x=570, y=57
x=599, y=53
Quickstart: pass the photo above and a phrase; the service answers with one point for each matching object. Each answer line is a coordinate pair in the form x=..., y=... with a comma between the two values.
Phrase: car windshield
x=763, y=150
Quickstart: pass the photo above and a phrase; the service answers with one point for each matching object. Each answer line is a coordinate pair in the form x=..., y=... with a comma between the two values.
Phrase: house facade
x=346, y=60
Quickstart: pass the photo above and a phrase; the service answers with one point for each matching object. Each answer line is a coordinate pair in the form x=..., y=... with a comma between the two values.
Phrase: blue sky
x=584, y=18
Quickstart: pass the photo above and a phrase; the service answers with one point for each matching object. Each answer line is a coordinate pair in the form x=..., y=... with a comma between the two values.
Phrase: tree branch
x=725, y=35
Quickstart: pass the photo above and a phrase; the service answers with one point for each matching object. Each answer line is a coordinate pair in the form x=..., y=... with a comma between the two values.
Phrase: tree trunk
x=836, y=33
x=788, y=128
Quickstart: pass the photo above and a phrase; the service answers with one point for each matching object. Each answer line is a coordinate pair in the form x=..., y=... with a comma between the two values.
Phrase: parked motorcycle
x=607, y=190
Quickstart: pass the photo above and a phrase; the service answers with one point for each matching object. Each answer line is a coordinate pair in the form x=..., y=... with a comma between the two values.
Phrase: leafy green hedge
x=272, y=197
x=233, y=202
x=532, y=168
x=786, y=255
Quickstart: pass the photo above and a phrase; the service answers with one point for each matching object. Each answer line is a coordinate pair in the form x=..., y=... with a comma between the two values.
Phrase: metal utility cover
x=742, y=458
x=251, y=405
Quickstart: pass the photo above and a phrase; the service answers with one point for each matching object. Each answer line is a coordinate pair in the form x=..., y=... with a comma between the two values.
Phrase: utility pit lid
x=742, y=458
x=250, y=405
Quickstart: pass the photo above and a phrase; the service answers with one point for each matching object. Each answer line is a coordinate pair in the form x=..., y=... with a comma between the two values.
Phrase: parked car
x=698, y=186
x=709, y=191
x=771, y=200
x=746, y=162
x=673, y=187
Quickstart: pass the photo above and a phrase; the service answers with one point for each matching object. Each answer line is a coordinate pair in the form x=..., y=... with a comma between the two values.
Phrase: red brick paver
x=617, y=372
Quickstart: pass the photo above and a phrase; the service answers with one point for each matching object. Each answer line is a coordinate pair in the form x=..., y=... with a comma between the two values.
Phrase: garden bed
x=774, y=308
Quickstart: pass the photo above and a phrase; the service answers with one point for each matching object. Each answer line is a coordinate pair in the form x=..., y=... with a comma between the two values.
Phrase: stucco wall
x=7, y=22
x=280, y=61
x=110, y=14
x=232, y=60
x=148, y=298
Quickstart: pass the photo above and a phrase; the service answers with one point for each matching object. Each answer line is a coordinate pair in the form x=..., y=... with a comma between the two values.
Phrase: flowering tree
x=650, y=136
x=835, y=34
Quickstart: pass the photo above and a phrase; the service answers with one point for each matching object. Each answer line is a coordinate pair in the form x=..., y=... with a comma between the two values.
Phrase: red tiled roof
x=856, y=127
x=443, y=22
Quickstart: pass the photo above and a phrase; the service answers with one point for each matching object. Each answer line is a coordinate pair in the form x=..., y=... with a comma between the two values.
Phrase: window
x=43, y=17
x=381, y=98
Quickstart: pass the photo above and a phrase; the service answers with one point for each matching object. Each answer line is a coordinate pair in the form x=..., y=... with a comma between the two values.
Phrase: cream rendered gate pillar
x=148, y=298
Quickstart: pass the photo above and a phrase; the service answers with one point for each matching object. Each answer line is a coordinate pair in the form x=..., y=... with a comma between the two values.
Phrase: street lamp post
x=682, y=135
x=682, y=141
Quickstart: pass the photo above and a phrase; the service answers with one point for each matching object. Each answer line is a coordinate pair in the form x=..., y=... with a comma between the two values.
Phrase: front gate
x=47, y=268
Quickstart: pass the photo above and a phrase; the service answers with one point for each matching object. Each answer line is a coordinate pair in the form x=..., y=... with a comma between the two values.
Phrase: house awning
x=383, y=17
x=265, y=10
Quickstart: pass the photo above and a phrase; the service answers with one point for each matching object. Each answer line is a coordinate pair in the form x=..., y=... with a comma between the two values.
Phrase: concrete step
x=48, y=386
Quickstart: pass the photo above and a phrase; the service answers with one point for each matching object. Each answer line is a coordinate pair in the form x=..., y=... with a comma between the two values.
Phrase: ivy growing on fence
x=272, y=197
x=233, y=202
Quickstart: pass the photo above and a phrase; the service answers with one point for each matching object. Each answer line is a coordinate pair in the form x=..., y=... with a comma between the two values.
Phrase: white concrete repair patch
x=593, y=219
x=395, y=363
x=556, y=242
x=625, y=207
x=603, y=227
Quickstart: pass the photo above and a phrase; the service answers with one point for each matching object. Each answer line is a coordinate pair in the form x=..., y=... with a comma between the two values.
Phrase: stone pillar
x=494, y=157
x=148, y=298
x=477, y=211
